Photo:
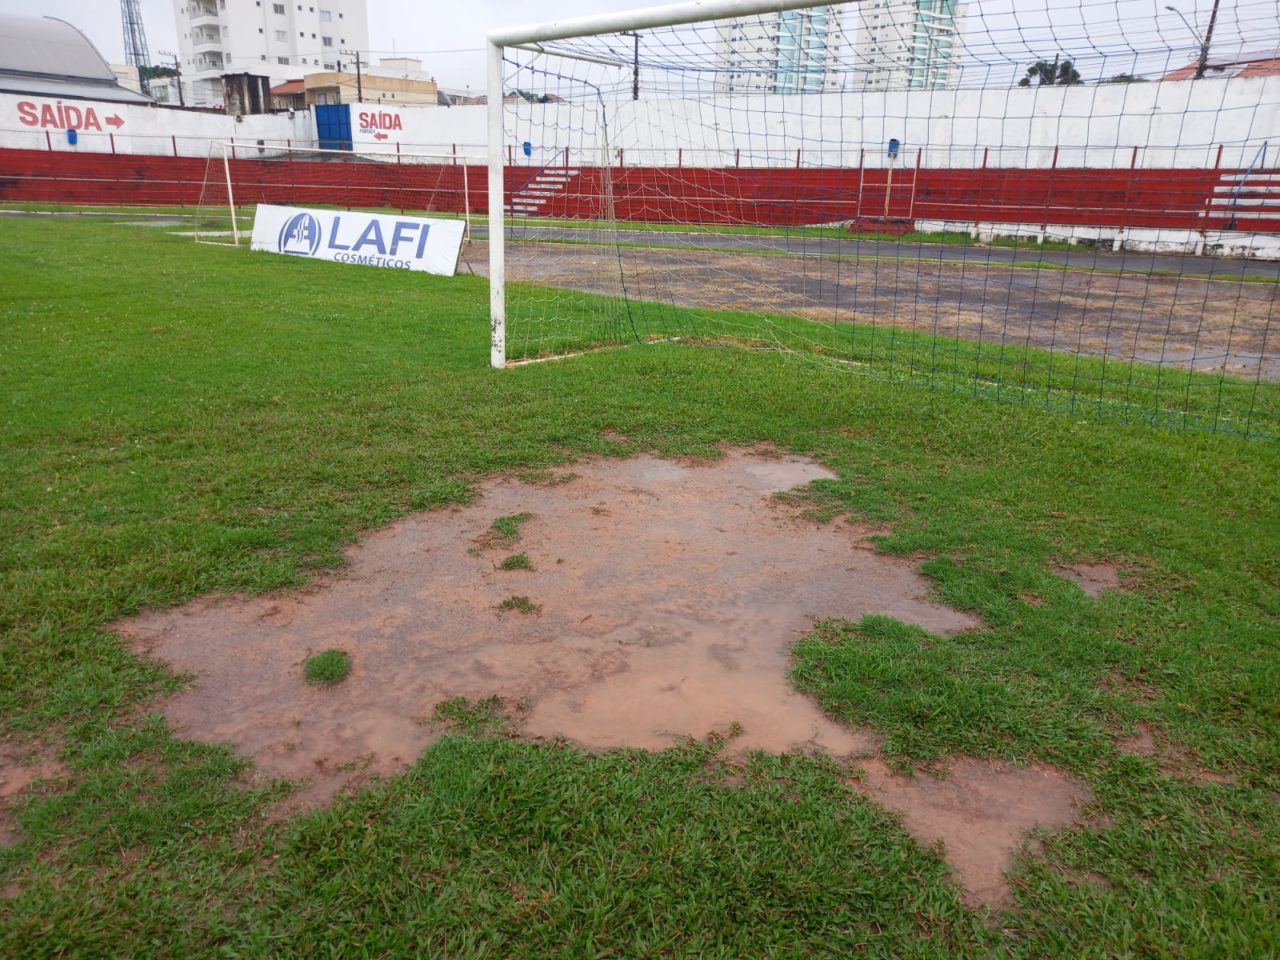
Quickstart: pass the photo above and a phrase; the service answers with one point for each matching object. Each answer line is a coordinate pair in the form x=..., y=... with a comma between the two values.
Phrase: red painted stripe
x=1120, y=197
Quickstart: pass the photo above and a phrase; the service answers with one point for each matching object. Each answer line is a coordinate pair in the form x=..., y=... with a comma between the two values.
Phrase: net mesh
x=1042, y=204
x=236, y=178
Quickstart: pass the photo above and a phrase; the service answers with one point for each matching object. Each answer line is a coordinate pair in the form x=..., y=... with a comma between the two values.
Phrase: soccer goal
x=982, y=198
x=236, y=178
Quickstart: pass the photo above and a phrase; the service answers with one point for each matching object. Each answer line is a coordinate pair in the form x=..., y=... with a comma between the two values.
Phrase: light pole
x=1203, y=62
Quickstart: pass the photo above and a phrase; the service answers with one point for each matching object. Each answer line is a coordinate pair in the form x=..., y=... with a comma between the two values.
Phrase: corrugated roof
x=45, y=56
x=51, y=47
x=290, y=86
x=73, y=89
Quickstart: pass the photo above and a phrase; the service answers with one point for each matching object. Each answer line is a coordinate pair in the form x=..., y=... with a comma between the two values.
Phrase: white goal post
x=529, y=39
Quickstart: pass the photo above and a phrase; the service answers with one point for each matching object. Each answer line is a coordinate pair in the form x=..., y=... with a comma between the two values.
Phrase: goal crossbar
x=531, y=37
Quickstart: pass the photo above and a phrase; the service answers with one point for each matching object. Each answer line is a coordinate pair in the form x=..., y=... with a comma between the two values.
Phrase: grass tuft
x=520, y=603
x=327, y=668
x=517, y=561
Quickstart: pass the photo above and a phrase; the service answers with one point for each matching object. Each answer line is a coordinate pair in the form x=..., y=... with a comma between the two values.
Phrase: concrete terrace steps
x=549, y=182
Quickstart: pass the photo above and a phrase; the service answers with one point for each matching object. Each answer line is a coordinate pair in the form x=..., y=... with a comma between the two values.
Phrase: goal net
x=237, y=178
x=1057, y=202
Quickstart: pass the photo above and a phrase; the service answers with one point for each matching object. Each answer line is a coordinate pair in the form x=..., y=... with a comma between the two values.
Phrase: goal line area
x=236, y=179
x=1043, y=206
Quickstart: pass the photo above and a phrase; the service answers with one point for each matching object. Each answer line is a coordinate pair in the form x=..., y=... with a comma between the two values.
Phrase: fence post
x=113, y=142
x=566, y=156
x=48, y=141
x=737, y=157
x=679, y=156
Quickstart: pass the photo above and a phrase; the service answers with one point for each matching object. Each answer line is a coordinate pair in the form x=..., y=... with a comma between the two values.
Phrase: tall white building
x=793, y=51
x=281, y=40
x=906, y=44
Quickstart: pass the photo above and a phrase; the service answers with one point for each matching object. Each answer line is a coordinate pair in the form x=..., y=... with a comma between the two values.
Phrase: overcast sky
x=449, y=36
x=401, y=25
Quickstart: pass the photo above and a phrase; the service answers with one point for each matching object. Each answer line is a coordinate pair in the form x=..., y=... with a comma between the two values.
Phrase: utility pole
x=177, y=73
x=1208, y=38
x=635, y=64
x=1203, y=62
x=359, y=80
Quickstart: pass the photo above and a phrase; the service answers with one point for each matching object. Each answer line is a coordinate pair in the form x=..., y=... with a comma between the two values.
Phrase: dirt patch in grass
x=22, y=765
x=980, y=812
x=669, y=595
x=1093, y=578
x=1172, y=758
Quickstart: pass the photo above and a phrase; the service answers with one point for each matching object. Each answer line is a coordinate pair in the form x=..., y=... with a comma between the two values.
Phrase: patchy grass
x=506, y=530
x=517, y=561
x=327, y=667
x=521, y=603
x=183, y=420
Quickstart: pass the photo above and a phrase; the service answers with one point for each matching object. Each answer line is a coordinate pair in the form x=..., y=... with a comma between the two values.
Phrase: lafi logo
x=300, y=236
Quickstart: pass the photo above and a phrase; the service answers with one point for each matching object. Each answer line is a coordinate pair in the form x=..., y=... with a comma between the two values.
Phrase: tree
x=155, y=72
x=1125, y=78
x=1058, y=73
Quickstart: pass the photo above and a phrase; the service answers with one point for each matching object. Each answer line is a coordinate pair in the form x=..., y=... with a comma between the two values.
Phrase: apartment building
x=906, y=44
x=279, y=39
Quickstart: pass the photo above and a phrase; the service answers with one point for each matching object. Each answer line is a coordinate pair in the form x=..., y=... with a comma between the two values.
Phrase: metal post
x=497, y=205
x=1208, y=38
x=231, y=197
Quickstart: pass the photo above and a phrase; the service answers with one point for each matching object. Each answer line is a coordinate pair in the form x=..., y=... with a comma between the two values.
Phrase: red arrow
x=379, y=136
x=115, y=120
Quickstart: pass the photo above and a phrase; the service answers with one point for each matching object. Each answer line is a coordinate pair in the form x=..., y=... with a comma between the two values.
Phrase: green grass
x=517, y=561
x=519, y=602
x=508, y=528
x=178, y=421
x=327, y=667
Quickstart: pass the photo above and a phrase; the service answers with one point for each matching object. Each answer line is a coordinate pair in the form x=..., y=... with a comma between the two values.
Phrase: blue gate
x=333, y=126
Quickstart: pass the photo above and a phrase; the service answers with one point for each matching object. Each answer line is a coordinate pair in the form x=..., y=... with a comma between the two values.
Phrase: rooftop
x=44, y=56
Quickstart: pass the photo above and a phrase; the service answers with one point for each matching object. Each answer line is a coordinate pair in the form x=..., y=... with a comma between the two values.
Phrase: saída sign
x=371, y=239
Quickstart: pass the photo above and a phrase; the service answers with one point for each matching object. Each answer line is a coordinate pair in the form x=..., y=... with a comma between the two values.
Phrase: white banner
x=372, y=239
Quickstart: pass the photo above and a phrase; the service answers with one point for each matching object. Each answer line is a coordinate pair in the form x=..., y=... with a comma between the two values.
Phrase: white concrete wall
x=142, y=129
x=1174, y=124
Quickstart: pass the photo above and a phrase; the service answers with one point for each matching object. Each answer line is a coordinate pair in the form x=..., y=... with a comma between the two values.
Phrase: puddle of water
x=668, y=596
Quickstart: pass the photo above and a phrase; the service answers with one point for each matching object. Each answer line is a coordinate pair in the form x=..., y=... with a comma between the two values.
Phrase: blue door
x=333, y=126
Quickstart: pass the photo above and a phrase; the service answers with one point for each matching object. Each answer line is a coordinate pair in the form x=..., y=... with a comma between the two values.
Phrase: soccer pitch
x=185, y=422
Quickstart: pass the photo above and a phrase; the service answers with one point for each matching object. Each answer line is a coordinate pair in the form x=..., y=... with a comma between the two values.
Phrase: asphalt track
x=1147, y=308
x=1028, y=254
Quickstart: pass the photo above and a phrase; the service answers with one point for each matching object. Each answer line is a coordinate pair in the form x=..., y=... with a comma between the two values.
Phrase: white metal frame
x=288, y=153
x=529, y=38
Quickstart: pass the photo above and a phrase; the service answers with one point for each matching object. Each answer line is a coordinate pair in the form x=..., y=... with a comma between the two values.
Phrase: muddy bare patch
x=981, y=813
x=1172, y=758
x=1093, y=578
x=667, y=598
x=23, y=765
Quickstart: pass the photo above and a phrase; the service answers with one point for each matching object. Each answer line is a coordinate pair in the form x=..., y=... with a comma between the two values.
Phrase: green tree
x=1046, y=73
x=152, y=72
x=1125, y=78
